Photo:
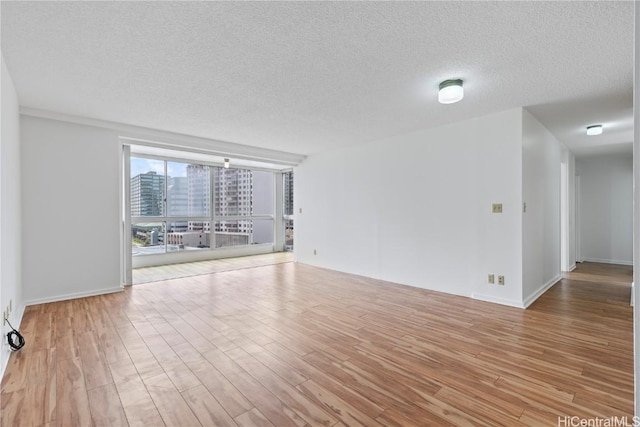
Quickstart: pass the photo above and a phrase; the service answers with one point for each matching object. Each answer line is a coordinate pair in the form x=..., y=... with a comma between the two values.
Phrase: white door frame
x=125, y=236
x=578, y=227
x=565, y=263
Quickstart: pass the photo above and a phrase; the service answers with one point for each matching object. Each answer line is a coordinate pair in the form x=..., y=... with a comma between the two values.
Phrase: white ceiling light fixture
x=451, y=91
x=594, y=130
x=226, y=163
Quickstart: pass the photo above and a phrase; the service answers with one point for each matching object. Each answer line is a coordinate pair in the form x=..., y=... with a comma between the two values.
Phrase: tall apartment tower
x=146, y=194
x=287, y=178
x=233, y=190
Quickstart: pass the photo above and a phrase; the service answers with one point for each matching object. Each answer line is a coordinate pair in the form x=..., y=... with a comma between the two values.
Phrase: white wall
x=71, y=216
x=498, y=139
x=10, y=211
x=606, y=208
x=416, y=208
x=541, y=157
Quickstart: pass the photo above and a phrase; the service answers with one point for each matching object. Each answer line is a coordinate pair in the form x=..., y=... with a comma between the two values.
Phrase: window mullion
x=212, y=211
x=164, y=211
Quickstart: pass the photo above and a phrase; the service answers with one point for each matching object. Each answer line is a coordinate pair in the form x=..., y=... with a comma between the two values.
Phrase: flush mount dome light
x=450, y=91
x=594, y=130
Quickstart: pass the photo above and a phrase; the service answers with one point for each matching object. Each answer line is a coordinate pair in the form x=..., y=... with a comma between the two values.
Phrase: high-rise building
x=233, y=197
x=147, y=191
x=238, y=193
x=287, y=178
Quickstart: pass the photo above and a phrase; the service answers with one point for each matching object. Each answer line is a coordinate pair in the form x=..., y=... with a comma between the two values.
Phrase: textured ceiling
x=306, y=77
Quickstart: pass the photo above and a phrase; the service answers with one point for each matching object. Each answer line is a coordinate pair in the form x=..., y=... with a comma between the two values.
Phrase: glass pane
x=191, y=235
x=232, y=233
x=288, y=192
x=188, y=189
x=288, y=235
x=147, y=238
x=199, y=194
x=262, y=193
x=233, y=188
x=147, y=187
x=262, y=231
x=177, y=189
x=245, y=232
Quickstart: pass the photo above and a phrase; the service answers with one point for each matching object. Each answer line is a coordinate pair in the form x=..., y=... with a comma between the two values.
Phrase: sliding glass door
x=177, y=206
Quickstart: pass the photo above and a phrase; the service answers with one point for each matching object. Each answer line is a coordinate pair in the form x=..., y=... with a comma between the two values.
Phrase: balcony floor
x=188, y=269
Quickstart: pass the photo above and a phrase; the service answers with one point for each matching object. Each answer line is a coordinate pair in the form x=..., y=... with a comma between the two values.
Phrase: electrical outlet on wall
x=491, y=278
x=500, y=280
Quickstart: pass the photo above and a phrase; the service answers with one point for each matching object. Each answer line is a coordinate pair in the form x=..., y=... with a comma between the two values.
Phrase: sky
x=141, y=165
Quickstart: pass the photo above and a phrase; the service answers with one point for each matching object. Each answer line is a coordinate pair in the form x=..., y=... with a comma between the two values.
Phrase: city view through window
x=178, y=206
x=287, y=181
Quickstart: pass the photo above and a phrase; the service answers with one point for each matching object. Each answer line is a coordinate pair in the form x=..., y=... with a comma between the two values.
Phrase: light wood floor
x=290, y=344
x=188, y=269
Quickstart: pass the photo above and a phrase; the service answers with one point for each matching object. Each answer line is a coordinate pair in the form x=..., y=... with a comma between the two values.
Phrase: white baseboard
x=18, y=321
x=73, y=296
x=541, y=290
x=498, y=300
x=515, y=303
x=573, y=267
x=608, y=261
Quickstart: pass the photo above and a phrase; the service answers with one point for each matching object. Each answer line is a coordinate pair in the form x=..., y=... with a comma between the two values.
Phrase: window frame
x=212, y=218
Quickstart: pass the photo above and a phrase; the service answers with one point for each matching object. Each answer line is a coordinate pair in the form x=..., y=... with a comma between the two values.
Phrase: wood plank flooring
x=290, y=344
